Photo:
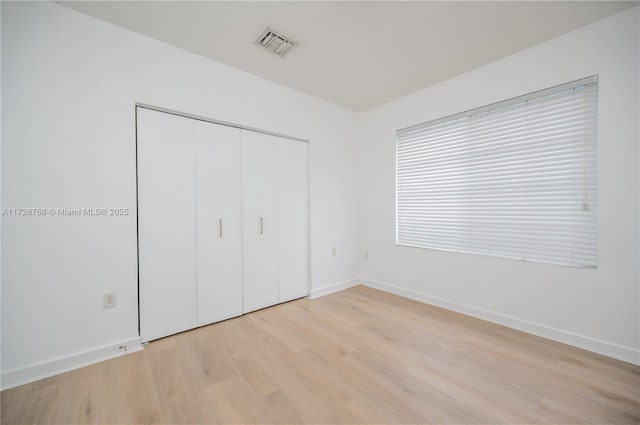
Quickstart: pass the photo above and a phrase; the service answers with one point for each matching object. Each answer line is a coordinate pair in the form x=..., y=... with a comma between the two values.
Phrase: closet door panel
x=260, y=220
x=293, y=216
x=167, y=224
x=219, y=219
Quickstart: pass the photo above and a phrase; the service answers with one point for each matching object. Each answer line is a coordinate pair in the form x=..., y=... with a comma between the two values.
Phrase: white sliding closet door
x=219, y=212
x=293, y=216
x=167, y=224
x=260, y=220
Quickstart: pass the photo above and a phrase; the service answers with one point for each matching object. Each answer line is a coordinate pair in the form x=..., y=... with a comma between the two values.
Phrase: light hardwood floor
x=358, y=356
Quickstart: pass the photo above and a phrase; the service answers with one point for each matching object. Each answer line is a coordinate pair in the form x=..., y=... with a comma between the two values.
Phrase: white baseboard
x=16, y=377
x=605, y=348
x=334, y=287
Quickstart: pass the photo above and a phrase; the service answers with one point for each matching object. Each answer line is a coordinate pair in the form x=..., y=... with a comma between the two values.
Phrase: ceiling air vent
x=277, y=43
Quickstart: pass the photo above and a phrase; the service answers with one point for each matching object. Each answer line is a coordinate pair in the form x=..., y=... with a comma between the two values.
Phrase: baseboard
x=17, y=377
x=605, y=348
x=334, y=287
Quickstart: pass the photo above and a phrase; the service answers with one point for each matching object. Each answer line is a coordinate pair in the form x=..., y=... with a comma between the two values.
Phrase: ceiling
x=357, y=54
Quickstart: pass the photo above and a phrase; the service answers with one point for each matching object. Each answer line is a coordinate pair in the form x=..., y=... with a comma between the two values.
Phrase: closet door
x=293, y=220
x=166, y=224
x=219, y=219
x=260, y=220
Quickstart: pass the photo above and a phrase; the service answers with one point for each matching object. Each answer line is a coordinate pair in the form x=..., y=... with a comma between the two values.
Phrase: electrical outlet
x=333, y=252
x=366, y=255
x=108, y=300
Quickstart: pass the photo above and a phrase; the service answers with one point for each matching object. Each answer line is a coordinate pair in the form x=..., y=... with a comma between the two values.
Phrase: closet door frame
x=142, y=105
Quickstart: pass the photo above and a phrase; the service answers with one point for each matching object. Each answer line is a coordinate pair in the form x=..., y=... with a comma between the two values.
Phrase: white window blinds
x=516, y=179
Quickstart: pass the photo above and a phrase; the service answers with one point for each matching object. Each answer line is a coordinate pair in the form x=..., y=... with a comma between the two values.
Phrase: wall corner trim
x=25, y=375
x=334, y=287
x=609, y=349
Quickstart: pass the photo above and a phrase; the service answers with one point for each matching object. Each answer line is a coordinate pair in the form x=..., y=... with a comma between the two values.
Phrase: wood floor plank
x=360, y=356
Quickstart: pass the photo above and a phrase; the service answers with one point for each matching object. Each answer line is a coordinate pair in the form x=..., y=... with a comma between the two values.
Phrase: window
x=516, y=179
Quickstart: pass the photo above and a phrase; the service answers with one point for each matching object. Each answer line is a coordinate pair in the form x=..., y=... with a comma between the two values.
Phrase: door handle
x=219, y=227
x=261, y=226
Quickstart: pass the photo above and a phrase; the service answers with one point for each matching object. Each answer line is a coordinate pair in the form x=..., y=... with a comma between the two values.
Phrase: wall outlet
x=366, y=255
x=333, y=252
x=108, y=300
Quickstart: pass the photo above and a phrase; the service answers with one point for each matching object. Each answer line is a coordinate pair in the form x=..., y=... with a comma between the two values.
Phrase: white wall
x=70, y=83
x=599, y=309
x=0, y=197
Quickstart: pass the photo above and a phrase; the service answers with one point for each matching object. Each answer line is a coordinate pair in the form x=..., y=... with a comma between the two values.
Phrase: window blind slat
x=514, y=180
x=500, y=127
x=511, y=118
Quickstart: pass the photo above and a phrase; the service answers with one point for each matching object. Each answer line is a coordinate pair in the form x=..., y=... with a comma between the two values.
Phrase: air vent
x=277, y=43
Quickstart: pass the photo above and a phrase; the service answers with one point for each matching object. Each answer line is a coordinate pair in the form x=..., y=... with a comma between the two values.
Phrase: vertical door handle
x=220, y=227
x=261, y=225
